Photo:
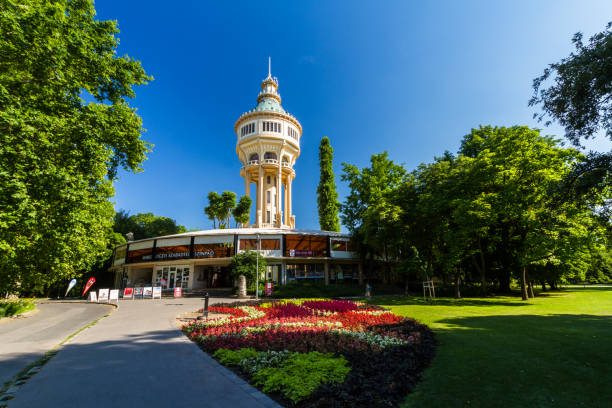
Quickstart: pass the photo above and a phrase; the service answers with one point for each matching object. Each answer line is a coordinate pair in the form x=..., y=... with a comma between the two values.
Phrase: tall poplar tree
x=327, y=197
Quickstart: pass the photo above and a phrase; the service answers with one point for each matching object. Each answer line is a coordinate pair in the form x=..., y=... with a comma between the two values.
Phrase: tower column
x=260, y=195
x=279, y=221
x=247, y=190
x=289, y=200
x=286, y=200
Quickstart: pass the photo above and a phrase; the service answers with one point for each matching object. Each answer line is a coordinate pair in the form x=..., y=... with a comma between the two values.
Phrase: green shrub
x=233, y=357
x=300, y=374
x=264, y=359
x=14, y=307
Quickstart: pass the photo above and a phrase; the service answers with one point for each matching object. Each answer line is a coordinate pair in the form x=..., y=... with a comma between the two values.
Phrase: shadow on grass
x=419, y=301
x=559, y=360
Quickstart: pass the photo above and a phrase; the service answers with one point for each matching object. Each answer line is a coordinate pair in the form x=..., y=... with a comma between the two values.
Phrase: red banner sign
x=269, y=288
x=90, y=282
x=178, y=292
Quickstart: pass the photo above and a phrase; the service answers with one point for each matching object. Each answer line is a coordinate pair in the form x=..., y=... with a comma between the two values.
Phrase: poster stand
x=138, y=292
x=103, y=295
x=93, y=297
x=114, y=295
x=157, y=292
x=128, y=293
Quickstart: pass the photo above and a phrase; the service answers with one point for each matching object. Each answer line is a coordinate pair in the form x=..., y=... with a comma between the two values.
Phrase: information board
x=103, y=295
x=114, y=295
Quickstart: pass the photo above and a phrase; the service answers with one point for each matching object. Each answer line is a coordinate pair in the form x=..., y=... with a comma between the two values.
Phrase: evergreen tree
x=327, y=197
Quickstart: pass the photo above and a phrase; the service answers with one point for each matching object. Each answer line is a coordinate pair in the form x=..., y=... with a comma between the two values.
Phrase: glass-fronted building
x=199, y=260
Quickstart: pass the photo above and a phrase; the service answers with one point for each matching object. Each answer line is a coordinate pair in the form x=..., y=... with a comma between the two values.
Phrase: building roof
x=269, y=105
x=248, y=231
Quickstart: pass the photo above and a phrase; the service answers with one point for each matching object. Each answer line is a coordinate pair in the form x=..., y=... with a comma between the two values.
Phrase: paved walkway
x=25, y=340
x=137, y=357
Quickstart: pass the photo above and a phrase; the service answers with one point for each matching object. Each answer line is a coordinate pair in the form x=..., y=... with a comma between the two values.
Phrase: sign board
x=114, y=295
x=178, y=292
x=269, y=288
x=128, y=293
x=157, y=291
x=93, y=297
x=103, y=295
x=138, y=292
x=147, y=291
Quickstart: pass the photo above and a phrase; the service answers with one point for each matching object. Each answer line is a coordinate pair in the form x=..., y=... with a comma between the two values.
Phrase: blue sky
x=408, y=77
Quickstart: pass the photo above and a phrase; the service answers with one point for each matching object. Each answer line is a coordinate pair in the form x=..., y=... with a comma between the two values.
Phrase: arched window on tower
x=254, y=157
x=269, y=155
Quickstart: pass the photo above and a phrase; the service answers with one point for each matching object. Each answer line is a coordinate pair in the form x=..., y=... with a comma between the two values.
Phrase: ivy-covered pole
x=327, y=197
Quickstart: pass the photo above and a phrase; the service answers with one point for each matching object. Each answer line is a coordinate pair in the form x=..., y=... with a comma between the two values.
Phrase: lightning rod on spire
x=269, y=66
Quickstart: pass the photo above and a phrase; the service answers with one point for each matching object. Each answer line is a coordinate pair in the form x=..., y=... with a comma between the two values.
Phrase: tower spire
x=269, y=67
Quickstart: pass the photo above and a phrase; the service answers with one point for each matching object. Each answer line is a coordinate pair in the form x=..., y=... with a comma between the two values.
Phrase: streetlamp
x=257, y=268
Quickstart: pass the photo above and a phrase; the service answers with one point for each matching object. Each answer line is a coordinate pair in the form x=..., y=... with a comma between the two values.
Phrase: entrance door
x=171, y=280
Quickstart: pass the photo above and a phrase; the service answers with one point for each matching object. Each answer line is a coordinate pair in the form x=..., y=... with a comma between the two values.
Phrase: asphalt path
x=25, y=340
x=137, y=357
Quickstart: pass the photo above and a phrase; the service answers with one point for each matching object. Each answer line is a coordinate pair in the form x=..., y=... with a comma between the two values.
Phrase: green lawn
x=553, y=351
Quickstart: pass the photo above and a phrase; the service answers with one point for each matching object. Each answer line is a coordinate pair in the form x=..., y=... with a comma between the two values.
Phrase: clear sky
x=407, y=77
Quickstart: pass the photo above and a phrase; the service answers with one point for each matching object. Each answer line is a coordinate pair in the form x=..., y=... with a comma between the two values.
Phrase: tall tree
x=146, y=225
x=242, y=210
x=58, y=153
x=227, y=204
x=580, y=99
x=327, y=197
x=213, y=208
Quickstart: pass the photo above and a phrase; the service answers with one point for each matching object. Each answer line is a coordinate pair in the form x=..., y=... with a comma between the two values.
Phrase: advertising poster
x=178, y=292
x=114, y=295
x=93, y=297
x=88, y=285
x=269, y=288
x=148, y=291
x=138, y=292
x=128, y=293
x=103, y=295
x=157, y=292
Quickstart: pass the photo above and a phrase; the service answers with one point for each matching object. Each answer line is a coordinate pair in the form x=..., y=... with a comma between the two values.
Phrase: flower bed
x=319, y=352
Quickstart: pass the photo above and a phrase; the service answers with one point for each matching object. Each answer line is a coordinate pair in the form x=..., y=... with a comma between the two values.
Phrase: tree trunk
x=531, y=295
x=552, y=284
x=504, y=281
x=457, y=284
x=524, y=283
x=483, y=270
x=543, y=283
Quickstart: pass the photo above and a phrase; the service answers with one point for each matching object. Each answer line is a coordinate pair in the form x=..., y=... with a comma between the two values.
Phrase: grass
x=15, y=307
x=552, y=351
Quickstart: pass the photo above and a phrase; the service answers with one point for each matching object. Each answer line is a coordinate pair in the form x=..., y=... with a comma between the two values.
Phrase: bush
x=15, y=307
x=234, y=357
x=264, y=359
x=301, y=374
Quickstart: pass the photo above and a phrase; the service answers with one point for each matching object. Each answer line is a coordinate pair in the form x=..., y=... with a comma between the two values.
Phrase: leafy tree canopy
x=145, y=225
x=58, y=152
x=245, y=263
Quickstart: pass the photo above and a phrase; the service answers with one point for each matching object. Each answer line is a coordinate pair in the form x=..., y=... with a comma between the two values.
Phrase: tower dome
x=268, y=143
